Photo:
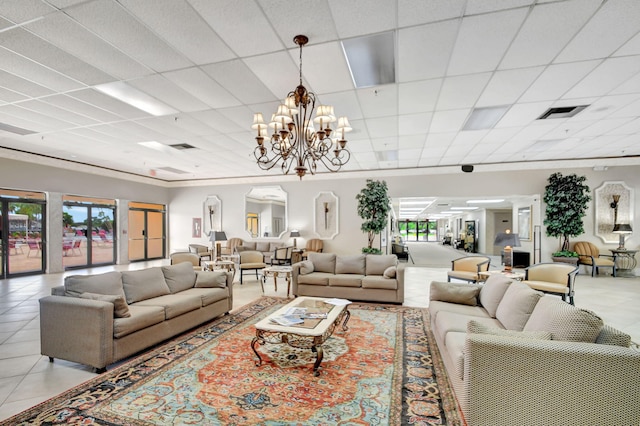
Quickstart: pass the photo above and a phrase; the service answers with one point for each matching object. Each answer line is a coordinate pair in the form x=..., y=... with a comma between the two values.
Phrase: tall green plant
x=373, y=207
x=566, y=198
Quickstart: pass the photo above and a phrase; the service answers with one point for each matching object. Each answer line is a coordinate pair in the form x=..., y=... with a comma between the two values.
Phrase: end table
x=625, y=261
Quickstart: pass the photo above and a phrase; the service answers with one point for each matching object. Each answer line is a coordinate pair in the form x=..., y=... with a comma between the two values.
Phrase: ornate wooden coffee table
x=310, y=334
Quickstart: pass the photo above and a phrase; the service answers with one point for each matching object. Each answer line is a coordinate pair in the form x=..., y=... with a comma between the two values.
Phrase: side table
x=227, y=265
x=514, y=275
x=626, y=261
x=296, y=256
x=274, y=271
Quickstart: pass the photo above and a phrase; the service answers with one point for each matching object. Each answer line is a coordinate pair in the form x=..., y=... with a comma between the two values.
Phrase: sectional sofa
x=371, y=277
x=517, y=357
x=100, y=319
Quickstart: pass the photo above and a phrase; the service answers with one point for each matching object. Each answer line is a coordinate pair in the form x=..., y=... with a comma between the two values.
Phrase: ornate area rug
x=379, y=372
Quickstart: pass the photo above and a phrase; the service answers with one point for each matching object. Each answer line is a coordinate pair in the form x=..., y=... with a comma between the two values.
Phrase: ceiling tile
x=484, y=6
x=164, y=90
x=379, y=101
x=20, y=11
x=448, y=121
x=414, y=124
x=506, y=87
x=417, y=12
x=240, y=81
x=323, y=78
x=606, y=77
x=556, y=80
x=523, y=114
x=277, y=72
x=296, y=14
x=200, y=85
x=462, y=91
x=36, y=73
x=372, y=18
x=418, y=96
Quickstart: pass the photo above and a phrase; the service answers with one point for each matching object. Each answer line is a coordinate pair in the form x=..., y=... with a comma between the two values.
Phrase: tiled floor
x=27, y=378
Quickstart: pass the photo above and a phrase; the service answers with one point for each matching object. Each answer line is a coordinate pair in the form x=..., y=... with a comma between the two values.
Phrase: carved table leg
x=257, y=340
x=319, y=355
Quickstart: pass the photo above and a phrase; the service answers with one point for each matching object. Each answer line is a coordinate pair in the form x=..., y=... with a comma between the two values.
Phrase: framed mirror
x=212, y=214
x=265, y=210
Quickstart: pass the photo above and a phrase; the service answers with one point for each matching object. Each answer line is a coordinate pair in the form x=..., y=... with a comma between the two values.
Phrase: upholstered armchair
x=282, y=256
x=251, y=260
x=313, y=245
x=183, y=256
x=589, y=254
x=468, y=268
x=200, y=250
x=232, y=243
x=554, y=278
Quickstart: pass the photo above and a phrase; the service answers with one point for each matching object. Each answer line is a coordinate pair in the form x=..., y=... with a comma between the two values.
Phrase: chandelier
x=295, y=141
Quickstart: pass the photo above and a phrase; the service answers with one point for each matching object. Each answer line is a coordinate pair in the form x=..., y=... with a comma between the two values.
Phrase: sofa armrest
x=400, y=278
x=532, y=382
x=78, y=330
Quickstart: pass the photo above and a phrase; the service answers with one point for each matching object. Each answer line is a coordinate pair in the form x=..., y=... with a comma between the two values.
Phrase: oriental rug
x=380, y=371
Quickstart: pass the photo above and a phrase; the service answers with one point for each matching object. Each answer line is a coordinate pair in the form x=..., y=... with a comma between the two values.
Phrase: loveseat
x=265, y=247
x=517, y=357
x=100, y=319
x=371, y=277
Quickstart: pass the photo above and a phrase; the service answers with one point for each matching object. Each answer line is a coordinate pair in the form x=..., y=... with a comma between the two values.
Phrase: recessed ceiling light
x=134, y=97
x=484, y=201
x=484, y=118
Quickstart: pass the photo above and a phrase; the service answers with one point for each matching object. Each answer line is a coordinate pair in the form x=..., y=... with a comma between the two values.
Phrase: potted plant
x=566, y=199
x=373, y=206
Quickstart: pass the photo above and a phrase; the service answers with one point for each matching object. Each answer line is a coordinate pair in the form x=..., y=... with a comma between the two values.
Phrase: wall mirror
x=265, y=210
x=212, y=215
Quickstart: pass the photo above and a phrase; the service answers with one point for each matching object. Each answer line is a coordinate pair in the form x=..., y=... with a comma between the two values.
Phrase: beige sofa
x=100, y=319
x=265, y=247
x=372, y=278
x=517, y=357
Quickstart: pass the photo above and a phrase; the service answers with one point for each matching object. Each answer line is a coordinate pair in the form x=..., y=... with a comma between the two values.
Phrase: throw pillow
x=306, y=267
x=492, y=292
x=179, y=277
x=390, y=272
x=353, y=264
x=211, y=279
x=476, y=327
x=323, y=262
x=120, y=307
x=463, y=294
x=516, y=306
x=564, y=321
x=107, y=283
x=144, y=284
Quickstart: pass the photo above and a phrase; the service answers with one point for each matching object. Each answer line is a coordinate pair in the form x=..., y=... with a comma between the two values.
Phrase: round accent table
x=626, y=262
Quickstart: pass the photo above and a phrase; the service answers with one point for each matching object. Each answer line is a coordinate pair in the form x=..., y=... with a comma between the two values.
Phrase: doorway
x=146, y=231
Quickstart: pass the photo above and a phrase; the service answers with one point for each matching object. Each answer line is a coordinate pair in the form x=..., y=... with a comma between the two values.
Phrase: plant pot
x=571, y=260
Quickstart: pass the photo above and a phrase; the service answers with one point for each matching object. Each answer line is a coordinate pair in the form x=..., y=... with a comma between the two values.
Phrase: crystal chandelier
x=295, y=141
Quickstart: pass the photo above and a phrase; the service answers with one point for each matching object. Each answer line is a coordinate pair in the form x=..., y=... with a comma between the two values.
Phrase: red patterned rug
x=381, y=371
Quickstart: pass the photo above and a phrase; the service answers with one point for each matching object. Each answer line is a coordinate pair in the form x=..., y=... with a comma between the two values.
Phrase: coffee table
x=309, y=335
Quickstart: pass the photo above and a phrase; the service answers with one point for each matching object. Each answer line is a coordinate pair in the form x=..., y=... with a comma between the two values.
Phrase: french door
x=146, y=231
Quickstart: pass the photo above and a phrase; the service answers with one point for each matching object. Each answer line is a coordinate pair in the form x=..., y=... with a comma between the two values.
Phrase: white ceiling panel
x=615, y=23
x=546, y=31
x=323, y=78
x=108, y=103
x=606, y=77
x=506, y=87
x=23, y=86
x=484, y=6
x=176, y=22
x=59, y=113
x=200, y=85
x=9, y=96
x=462, y=91
x=424, y=51
x=276, y=71
x=20, y=11
x=382, y=127
x=419, y=96
x=302, y=17
x=344, y=104
x=483, y=40
x=556, y=80
x=380, y=101
x=411, y=141
x=36, y=73
x=415, y=12
x=240, y=81
x=414, y=124
x=523, y=114
x=372, y=18
x=164, y=90
x=448, y=121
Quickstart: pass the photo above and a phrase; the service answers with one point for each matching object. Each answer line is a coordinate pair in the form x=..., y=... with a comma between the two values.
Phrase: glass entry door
x=22, y=232
x=146, y=231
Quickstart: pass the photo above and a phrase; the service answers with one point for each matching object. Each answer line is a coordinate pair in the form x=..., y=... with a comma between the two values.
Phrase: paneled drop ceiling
x=212, y=63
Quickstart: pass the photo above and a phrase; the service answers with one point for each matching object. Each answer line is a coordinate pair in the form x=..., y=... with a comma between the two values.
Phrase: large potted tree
x=373, y=207
x=566, y=198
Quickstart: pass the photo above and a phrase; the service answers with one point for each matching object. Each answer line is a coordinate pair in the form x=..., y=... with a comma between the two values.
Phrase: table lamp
x=507, y=240
x=622, y=229
x=215, y=237
x=294, y=234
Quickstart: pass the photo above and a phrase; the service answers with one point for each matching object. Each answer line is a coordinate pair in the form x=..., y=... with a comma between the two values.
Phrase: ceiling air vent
x=562, y=112
x=17, y=130
x=182, y=146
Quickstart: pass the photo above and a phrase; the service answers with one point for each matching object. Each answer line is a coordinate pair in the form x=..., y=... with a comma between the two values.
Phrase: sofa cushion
x=390, y=272
x=262, y=246
x=120, y=307
x=174, y=304
x=323, y=262
x=454, y=293
x=144, y=284
x=179, y=277
x=435, y=307
x=141, y=317
x=346, y=280
x=610, y=336
x=451, y=321
x=492, y=292
x=516, y=306
x=107, y=283
x=350, y=264
x=564, y=321
x=274, y=246
x=315, y=278
x=208, y=295
x=374, y=281
x=306, y=267
x=476, y=327
x=211, y=279
x=377, y=263
x=249, y=245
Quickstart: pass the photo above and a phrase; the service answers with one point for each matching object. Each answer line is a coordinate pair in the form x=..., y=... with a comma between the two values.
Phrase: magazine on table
x=287, y=321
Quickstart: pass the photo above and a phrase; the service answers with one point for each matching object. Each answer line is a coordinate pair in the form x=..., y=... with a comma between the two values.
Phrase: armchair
x=251, y=260
x=589, y=254
x=468, y=268
x=401, y=251
x=282, y=256
x=313, y=245
x=554, y=278
x=183, y=256
x=232, y=243
x=200, y=250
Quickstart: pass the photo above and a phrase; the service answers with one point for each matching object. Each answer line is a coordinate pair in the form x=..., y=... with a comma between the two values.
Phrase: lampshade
x=505, y=239
x=217, y=236
x=295, y=233
x=622, y=228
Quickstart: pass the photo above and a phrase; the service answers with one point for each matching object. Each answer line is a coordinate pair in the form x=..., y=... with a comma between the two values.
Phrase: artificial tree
x=566, y=198
x=373, y=206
